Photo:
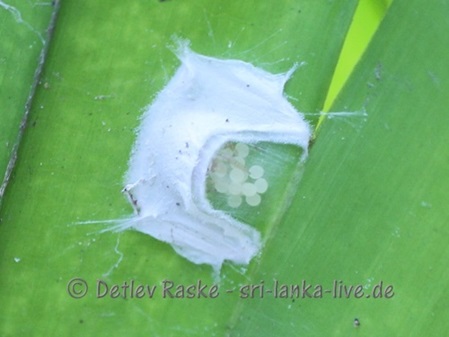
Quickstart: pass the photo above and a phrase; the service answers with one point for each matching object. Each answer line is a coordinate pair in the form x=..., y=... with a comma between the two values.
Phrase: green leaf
x=106, y=63
x=369, y=208
x=23, y=39
x=372, y=205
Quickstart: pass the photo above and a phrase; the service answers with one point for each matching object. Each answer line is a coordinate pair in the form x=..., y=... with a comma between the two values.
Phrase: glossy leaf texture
x=370, y=208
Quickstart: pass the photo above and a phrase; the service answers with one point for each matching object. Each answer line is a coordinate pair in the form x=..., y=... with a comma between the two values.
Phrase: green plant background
x=23, y=37
x=371, y=205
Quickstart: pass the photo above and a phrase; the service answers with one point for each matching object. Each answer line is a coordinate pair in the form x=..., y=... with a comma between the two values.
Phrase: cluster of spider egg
x=230, y=176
